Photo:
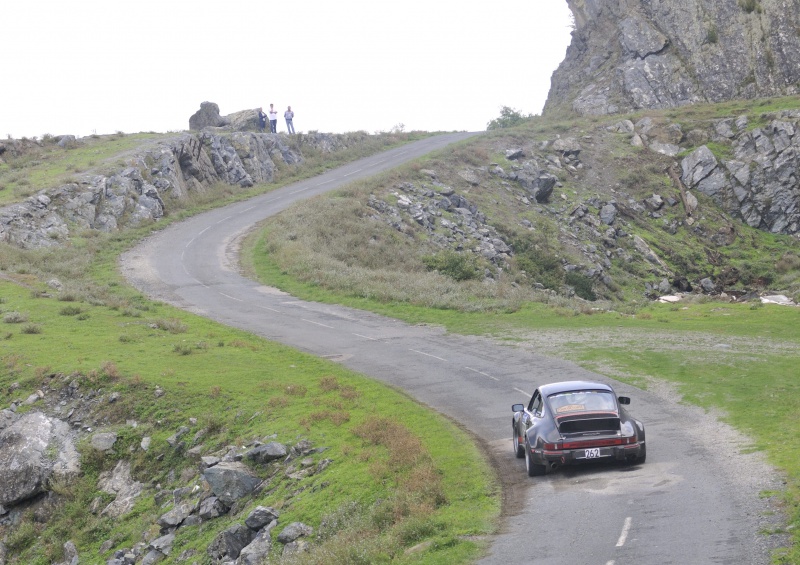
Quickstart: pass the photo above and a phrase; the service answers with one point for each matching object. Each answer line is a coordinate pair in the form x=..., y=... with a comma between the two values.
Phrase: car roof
x=568, y=386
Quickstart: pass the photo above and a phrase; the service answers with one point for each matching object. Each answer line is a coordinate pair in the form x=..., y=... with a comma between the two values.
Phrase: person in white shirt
x=273, y=119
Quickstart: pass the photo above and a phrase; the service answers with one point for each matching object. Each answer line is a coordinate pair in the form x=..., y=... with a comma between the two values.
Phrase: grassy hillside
x=400, y=476
x=720, y=355
x=725, y=356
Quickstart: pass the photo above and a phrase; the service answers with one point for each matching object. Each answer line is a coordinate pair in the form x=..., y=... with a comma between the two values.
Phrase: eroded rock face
x=33, y=450
x=144, y=189
x=137, y=193
x=628, y=54
x=760, y=183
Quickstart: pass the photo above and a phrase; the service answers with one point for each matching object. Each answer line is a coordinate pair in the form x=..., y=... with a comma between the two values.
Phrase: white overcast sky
x=101, y=66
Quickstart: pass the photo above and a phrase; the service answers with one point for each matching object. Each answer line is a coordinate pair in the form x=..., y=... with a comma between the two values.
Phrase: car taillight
x=551, y=446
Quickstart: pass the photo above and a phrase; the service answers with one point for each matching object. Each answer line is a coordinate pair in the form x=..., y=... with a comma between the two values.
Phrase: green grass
x=239, y=388
x=243, y=388
x=51, y=165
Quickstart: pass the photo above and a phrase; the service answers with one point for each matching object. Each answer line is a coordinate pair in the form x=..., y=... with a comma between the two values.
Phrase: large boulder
x=257, y=551
x=34, y=450
x=229, y=543
x=230, y=481
x=206, y=116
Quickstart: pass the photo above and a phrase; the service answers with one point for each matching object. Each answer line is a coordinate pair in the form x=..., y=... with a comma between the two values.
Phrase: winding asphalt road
x=686, y=505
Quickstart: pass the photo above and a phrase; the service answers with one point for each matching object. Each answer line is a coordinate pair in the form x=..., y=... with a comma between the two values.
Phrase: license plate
x=592, y=453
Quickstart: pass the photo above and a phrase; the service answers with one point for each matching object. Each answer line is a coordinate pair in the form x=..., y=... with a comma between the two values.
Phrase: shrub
x=14, y=318
x=509, y=117
x=171, y=325
x=582, y=285
x=457, y=266
x=70, y=310
x=749, y=6
x=31, y=329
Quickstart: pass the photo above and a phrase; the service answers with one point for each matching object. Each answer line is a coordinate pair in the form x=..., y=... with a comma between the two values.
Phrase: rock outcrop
x=207, y=116
x=143, y=190
x=37, y=450
x=760, y=183
x=34, y=449
x=632, y=54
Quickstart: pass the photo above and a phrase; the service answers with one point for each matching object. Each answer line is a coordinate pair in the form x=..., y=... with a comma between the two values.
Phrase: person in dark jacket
x=262, y=120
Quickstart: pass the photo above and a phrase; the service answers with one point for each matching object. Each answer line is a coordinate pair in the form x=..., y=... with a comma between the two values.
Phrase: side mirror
x=517, y=407
x=624, y=400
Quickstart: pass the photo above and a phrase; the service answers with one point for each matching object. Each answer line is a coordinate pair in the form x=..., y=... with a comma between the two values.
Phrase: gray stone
x=34, y=449
x=206, y=116
x=229, y=543
x=256, y=552
x=120, y=483
x=176, y=516
x=230, y=481
x=104, y=441
x=211, y=508
x=708, y=285
x=266, y=453
x=608, y=214
x=163, y=544
x=294, y=531
x=260, y=517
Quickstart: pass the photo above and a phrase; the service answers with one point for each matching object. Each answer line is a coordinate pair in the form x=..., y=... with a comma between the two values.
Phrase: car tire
x=534, y=470
x=638, y=459
x=519, y=449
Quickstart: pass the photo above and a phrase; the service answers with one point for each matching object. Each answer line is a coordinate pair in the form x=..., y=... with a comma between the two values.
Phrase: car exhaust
x=554, y=465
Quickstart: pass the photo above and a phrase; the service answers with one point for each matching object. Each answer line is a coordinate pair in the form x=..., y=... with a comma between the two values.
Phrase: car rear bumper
x=569, y=456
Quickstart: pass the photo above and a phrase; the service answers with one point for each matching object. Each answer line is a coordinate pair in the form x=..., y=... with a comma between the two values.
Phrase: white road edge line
x=626, y=527
x=481, y=373
x=354, y=172
x=229, y=296
x=428, y=354
x=523, y=392
x=317, y=324
x=366, y=337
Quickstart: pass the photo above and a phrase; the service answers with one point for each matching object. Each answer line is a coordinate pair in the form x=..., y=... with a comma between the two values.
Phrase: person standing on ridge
x=273, y=119
x=289, y=116
x=262, y=120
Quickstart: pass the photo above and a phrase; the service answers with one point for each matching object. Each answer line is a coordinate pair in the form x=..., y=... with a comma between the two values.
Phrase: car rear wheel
x=638, y=459
x=534, y=470
x=519, y=449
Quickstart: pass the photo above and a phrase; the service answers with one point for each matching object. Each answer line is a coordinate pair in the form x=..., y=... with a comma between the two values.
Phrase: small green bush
x=457, y=266
x=70, y=310
x=582, y=285
x=14, y=318
x=509, y=117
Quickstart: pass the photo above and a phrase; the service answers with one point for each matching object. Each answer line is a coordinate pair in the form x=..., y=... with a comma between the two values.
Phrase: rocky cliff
x=152, y=178
x=632, y=54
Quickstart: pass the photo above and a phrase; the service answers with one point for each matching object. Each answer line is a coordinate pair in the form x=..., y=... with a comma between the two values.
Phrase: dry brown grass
x=336, y=417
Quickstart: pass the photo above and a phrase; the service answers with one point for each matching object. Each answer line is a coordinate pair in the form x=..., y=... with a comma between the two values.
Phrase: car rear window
x=582, y=401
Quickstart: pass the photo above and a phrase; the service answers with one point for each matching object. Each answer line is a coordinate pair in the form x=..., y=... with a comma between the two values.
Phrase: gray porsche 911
x=575, y=421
